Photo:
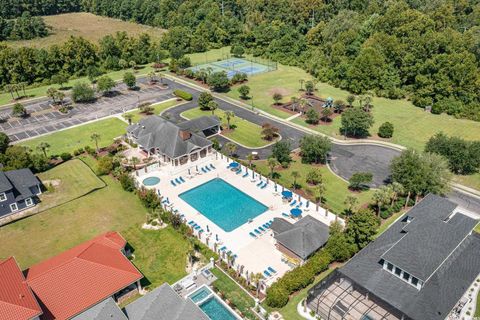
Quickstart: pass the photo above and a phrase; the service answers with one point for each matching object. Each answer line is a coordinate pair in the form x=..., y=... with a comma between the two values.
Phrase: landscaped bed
x=157, y=109
x=245, y=132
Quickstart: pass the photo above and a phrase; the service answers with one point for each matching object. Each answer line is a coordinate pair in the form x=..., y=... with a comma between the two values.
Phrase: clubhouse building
x=171, y=143
x=417, y=269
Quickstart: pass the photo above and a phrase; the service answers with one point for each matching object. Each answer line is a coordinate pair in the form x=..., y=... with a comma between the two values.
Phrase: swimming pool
x=150, y=181
x=215, y=310
x=223, y=204
x=200, y=294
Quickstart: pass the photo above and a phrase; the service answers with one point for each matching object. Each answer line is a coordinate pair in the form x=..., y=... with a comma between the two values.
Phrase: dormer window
x=403, y=275
x=389, y=266
x=3, y=197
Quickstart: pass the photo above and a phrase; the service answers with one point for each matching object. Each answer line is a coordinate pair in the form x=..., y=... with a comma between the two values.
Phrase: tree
x=218, y=81
x=104, y=166
x=360, y=180
x=130, y=80
x=356, y=122
x=231, y=148
x=314, y=148
x=228, y=116
x=250, y=158
x=18, y=110
x=281, y=151
x=95, y=137
x=350, y=99
x=128, y=117
x=43, y=147
x=385, y=130
x=16, y=157
x=237, y=51
x=314, y=177
x=361, y=228
x=277, y=97
x=93, y=73
x=244, y=90
x=272, y=164
x=212, y=106
x=204, y=99
x=105, y=84
x=337, y=245
x=350, y=203
x=134, y=161
x=295, y=175
x=382, y=197
x=302, y=81
x=82, y=92
x=269, y=132
x=304, y=104
x=4, y=142
x=123, y=64
x=312, y=116
x=397, y=189
x=60, y=79
x=326, y=113
x=309, y=87
x=339, y=106
x=319, y=192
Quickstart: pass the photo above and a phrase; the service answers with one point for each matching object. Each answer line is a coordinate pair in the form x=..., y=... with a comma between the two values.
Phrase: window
x=398, y=271
x=13, y=207
x=28, y=202
x=3, y=196
x=389, y=266
x=414, y=281
x=406, y=276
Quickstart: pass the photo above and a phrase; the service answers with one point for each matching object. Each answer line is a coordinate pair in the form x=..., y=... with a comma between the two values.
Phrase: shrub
x=149, y=198
x=127, y=182
x=66, y=156
x=314, y=177
x=385, y=130
x=277, y=296
x=218, y=81
x=312, y=116
x=360, y=180
x=183, y=94
x=239, y=77
x=78, y=152
x=184, y=62
x=104, y=165
x=82, y=92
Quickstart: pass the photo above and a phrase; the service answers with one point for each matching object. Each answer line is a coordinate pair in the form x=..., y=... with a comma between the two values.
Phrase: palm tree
x=256, y=278
x=272, y=163
x=134, y=162
x=250, y=158
x=320, y=192
x=231, y=148
x=128, y=117
x=303, y=104
x=295, y=175
x=43, y=146
x=212, y=105
x=397, y=189
x=95, y=137
x=9, y=88
x=229, y=115
x=302, y=81
x=351, y=202
x=294, y=102
x=381, y=197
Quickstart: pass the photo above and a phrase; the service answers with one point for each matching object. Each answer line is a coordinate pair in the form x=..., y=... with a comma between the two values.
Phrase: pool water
x=200, y=294
x=151, y=181
x=223, y=204
x=215, y=310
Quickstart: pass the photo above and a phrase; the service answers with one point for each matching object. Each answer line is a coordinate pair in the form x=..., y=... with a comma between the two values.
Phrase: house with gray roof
x=173, y=143
x=19, y=190
x=301, y=239
x=104, y=310
x=418, y=269
x=164, y=303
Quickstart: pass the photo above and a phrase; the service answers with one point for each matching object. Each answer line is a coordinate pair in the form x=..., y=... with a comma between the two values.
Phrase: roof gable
x=105, y=310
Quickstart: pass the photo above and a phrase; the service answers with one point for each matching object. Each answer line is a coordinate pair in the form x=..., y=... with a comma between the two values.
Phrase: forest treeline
x=427, y=51
x=24, y=27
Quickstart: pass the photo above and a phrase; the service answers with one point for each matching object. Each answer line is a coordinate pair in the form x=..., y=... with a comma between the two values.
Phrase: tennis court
x=236, y=65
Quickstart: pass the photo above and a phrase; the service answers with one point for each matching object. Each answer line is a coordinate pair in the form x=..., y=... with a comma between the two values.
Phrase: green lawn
x=209, y=56
x=246, y=133
x=388, y=222
x=40, y=91
x=477, y=308
x=234, y=293
x=472, y=181
x=68, y=181
x=78, y=137
x=336, y=190
x=158, y=108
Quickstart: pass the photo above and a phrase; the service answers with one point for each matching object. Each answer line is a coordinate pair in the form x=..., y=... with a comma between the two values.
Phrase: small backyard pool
x=151, y=181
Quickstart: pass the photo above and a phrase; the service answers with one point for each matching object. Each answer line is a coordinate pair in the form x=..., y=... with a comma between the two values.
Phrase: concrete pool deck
x=254, y=254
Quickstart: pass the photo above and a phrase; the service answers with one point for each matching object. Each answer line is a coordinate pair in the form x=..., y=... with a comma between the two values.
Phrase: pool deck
x=254, y=254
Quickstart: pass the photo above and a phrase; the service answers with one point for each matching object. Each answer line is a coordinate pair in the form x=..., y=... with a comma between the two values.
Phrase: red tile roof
x=16, y=299
x=81, y=277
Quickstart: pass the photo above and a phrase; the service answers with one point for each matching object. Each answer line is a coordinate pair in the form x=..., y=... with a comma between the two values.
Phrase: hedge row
x=296, y=279
x=183, y=94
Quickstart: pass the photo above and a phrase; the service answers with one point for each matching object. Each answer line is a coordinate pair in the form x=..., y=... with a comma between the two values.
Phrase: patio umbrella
x=234, y=164
x=296, y=212
x=287, y=194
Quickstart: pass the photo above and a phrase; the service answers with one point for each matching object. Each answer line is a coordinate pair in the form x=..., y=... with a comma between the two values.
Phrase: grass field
x=336, y=190
x=158, y=108
x=69, y=180
x=79, y=137
x=86, y=25
x=245, y=133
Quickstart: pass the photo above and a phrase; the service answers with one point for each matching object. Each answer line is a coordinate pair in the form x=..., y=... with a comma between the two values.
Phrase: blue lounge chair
x=285, y=215
x=201, y=230
x=207, y=168
x=271, y=270
x=181, y=179
x=212, y=166
x=239, y=171
x=261, y=229
x=191, y=222
x=265, y=272
x=259, y=184
x=182, y=216
x=253, y=235
x=173, y=183
x=266, y=226
x=196, y=227
x=300, y=204
x=257, y=232
x=264, y=186
x=177, y=181
x=203, y=170
x=245, y=175
x=294, y=202
x=223, y=248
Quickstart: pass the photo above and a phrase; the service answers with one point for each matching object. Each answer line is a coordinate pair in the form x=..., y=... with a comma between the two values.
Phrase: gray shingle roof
x=105, y=310
x=156, y=132
x=303, y=237
x=280, y=225
x=449, y=280
x=20, y=181
x=164, y=304
x=199, y=124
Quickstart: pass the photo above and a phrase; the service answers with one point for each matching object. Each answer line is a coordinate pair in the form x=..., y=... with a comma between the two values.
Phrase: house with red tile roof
x=17, y=301
x=79, y=278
